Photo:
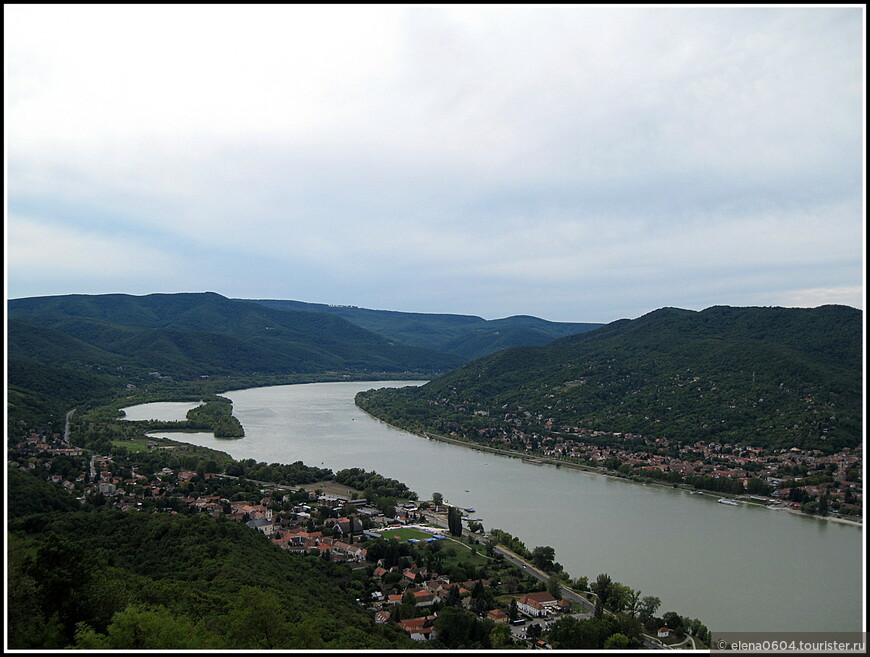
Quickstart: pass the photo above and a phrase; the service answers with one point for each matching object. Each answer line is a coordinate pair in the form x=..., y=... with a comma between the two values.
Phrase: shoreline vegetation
x=212, y=415
x=181, y=396
x=174, y=396
x=543, y=460
x=345, y=480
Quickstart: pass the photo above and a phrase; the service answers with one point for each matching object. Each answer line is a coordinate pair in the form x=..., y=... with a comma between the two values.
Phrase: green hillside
x=190, y=335
x=762, y=376
x=467, y=336
x=114, y=580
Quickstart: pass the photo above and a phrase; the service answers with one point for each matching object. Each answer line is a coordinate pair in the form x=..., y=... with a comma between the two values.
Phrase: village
x=803, y=480
x=406, y=585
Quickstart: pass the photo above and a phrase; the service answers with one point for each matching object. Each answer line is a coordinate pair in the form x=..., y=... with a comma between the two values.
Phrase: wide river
x=738, y=569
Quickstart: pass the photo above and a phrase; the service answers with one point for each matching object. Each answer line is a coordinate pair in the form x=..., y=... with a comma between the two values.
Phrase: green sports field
x=403, y=533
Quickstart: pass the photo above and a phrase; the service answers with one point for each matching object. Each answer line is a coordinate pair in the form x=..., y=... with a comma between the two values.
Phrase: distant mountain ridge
x=467, y=336
x=767, y=376
x=64, y=349
x=205, y=333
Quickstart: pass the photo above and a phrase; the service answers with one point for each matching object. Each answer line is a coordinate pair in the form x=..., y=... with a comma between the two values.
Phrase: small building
x=664, y=632
x=497, y=616
x=263, y=525
x=419, y=629
x=423, y=598
x=537, y=604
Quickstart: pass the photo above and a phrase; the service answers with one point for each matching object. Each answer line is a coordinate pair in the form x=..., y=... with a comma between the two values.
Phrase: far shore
x=531, y=458
x=535, y=459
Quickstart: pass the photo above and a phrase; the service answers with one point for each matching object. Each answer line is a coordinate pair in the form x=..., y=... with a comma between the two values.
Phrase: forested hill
x=467, y=336
x=188, y=335
x=762, y=376
x=109, y=580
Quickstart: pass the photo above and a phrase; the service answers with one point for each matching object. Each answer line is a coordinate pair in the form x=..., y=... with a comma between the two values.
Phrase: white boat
x=723, y=500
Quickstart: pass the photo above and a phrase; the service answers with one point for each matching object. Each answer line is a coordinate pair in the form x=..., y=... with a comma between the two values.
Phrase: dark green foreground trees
x=106, y=579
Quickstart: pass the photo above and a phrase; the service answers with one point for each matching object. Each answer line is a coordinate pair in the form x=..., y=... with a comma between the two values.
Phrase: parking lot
x=521, y=631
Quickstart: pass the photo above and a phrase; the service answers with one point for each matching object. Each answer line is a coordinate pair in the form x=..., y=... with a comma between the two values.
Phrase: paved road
x=519, y=631
x=688, y=640
x=652, y=643
x=265, y=484
x=568, y=594
x=66, y=426
x=518, y=561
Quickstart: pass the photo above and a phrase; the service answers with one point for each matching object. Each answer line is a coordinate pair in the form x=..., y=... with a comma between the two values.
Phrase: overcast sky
x=577, y=163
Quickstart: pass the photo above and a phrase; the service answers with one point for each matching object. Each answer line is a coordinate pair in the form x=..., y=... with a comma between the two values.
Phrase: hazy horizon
x=447, y=312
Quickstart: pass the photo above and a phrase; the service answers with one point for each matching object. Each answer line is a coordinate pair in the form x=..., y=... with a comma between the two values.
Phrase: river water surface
x=738, y=569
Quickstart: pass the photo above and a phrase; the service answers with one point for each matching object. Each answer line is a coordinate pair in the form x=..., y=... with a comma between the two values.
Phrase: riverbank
x=321, y=423
x=798, y=512
x=543, y=460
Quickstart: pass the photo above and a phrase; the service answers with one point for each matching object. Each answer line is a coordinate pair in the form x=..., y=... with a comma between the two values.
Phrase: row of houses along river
x=737, y=568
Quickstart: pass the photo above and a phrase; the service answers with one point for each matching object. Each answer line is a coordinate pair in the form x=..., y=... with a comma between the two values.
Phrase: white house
x=537, y=604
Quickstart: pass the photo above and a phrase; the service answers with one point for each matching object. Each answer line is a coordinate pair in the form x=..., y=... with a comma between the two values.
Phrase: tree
x=554, y=587
x=620, y=595
x=569, y=633
x=513, y=611
x=454, y=598
x=28, y=627
x=437, y=499
x=756, y=486
x=455, y=627
x=599, y=608
x=603, y=587
x=649, y=605
x=633, y=604
x=616, y=641
x=142, y=628
x=674, y=621
x=256, y=621
x=454, y=521
x=823, y=505
x=543, y=556
x=500, y=636
x=62, y=571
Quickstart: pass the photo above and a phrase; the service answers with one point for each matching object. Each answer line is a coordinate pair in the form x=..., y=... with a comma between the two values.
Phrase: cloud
x=494, y=151
x=848, y=296
x=39, y=253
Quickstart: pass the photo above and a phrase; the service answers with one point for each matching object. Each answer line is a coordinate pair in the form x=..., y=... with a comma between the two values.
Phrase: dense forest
x=467, y=336
x=107, y=579
x=771, y=377
x=80, y=351
x=189, y=335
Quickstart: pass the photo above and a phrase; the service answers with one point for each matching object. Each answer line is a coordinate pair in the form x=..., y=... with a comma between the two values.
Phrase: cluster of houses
x=716, y=460
x=427, y=589
x=50, y=444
